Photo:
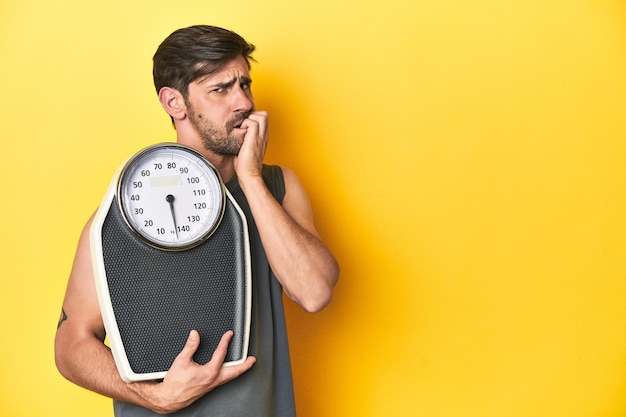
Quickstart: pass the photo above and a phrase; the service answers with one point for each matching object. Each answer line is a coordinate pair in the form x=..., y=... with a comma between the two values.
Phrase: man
x=201, y=74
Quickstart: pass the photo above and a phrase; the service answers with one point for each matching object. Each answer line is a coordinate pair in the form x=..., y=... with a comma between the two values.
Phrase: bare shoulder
x=80, y=305
x=296, y=202
x=293, y=187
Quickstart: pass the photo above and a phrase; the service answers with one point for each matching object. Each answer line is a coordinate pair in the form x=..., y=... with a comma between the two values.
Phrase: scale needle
x=170, y=199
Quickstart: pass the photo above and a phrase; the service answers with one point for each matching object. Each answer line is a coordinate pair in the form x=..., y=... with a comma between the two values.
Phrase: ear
x=173, y=103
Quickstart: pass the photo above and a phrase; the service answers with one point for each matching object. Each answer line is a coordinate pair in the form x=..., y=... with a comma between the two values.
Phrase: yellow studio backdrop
x=466, y=161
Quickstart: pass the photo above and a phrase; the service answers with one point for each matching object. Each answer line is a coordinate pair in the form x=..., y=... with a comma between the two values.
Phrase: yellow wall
x=466, y=161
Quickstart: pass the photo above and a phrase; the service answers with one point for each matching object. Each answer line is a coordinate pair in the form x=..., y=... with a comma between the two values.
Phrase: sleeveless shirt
x=266, y=389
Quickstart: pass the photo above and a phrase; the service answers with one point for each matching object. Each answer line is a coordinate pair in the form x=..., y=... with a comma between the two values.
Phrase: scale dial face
x=171, y=196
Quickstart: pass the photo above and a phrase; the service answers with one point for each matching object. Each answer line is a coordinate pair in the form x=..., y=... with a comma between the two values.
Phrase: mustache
x=237, y=119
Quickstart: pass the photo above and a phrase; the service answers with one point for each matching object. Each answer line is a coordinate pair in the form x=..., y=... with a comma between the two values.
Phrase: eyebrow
x=231, y=82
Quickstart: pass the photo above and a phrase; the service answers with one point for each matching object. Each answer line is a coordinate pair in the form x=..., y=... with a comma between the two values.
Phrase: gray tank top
x=266, y=390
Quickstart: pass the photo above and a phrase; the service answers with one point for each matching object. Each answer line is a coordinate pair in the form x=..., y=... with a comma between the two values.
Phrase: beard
x=220, y=141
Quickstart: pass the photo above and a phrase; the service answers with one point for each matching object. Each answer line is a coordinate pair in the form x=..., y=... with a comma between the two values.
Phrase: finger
x=261, y=118
x=251, y=126
x=191, y=346
x=261, y=114
x=228, y=373
x=222, y=348
x=232, y=372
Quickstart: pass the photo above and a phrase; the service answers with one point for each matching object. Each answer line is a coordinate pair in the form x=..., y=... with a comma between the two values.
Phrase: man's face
x=218, y=104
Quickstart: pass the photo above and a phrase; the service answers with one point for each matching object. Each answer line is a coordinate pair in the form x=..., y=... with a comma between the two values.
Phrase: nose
x=242, y=100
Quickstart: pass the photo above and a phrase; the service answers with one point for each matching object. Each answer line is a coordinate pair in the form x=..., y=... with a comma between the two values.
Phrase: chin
x=228, y=146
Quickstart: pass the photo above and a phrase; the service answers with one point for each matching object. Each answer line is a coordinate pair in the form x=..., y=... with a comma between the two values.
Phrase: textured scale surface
x=159, y=296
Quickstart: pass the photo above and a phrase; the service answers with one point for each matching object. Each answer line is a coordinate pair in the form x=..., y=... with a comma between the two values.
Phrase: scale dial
x=171, y=196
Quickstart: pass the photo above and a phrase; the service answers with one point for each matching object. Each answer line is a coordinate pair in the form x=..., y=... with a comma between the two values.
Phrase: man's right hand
x=187, y=381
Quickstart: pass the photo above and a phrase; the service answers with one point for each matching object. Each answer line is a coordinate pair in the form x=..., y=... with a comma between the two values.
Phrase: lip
x=238, y=120
x=237, y=125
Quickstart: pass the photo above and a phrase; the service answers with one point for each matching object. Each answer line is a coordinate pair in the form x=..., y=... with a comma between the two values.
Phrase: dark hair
x=194, y=52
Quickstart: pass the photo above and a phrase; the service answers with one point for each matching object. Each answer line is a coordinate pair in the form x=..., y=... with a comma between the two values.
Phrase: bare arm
x=83, y=358
x=301, y=262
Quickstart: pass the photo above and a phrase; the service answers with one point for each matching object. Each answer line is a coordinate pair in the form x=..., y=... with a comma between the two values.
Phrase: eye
x=246, y=85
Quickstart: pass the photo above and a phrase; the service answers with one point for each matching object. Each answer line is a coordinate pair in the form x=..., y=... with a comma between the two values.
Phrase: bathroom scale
x=171, y=253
